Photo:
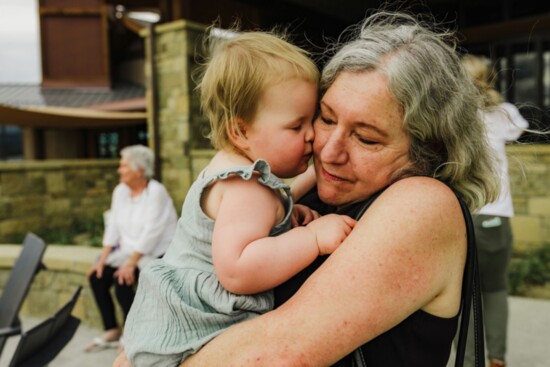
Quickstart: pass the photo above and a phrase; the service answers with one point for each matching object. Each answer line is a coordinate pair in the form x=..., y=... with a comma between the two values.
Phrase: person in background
x=141, y=223
x=504, y=124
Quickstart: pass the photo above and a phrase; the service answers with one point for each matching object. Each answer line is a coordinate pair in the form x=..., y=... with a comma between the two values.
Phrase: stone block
x=4, y=275
x=10, y=227
x=13, y=183
x=31, y=204
x=183, y=105
x=55, y=207
x=40, y=303
x=527, y=228
x=44, y=280
x=5, y=208
x=60, y=221
x=55, y=182
x=521, y=205
x=539, y=205
x=35, y=183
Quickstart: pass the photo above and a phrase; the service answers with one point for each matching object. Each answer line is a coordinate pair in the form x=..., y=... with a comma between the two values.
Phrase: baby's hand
x=302, y=215
x=330, y=231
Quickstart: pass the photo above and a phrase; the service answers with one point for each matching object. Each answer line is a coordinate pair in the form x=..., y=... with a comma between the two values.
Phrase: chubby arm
x=245, y=259
x=406, y=253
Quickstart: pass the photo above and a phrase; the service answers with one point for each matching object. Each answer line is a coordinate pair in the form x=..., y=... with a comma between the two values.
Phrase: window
x=11, y=144
x=108, y=145
x=524, y=78
x=546, y=75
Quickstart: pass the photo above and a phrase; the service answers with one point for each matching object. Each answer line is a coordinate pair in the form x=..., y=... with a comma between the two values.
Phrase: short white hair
x=140, y=157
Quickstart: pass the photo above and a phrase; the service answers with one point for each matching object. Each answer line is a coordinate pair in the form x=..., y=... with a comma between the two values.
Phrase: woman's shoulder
x=120, y=189
x=424, y=187
x=156, y=188
x=507, y=106
x=509, y=110
x=421, y=197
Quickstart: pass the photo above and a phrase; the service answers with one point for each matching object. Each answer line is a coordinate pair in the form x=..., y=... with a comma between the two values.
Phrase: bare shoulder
x=421, y=196
x=429, y=228
x=423, y=186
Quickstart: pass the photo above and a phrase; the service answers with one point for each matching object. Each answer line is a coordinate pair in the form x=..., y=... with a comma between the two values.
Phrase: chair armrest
x=10, y=331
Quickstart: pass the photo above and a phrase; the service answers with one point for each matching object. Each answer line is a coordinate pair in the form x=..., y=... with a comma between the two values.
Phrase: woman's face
x=128, y=175
x=359, y=138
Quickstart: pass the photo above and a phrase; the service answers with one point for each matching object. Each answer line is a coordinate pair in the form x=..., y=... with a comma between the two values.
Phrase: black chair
x=19, y=282
x=42, y=343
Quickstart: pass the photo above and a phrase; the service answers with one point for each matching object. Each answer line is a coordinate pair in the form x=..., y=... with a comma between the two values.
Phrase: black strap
x=471, y=295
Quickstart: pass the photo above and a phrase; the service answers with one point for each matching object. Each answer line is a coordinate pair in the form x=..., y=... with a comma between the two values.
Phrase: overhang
x=68, y=118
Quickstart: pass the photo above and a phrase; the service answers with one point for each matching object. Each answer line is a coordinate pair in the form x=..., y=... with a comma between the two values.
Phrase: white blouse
x=145, y=223
x=504, y=124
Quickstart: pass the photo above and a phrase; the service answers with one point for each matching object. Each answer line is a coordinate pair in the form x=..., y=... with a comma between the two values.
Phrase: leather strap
x=471, y=295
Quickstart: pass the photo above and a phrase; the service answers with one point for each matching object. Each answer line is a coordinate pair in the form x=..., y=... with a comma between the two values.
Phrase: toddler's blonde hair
x=238, y=72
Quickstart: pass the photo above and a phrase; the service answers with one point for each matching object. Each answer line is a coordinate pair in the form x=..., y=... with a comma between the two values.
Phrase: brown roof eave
x=67, y=118
x=505, y=30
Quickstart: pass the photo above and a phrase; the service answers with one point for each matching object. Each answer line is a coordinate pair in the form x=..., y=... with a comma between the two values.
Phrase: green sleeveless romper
x=180, y=305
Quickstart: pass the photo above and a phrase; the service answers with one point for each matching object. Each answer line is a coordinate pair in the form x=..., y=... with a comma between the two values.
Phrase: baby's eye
x=297, y=127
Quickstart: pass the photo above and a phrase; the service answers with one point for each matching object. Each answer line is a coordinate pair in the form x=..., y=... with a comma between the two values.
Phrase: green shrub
x=531, y=269
x=81, y=232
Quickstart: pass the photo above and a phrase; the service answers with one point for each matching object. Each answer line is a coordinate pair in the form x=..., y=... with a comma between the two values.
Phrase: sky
x=19, y=42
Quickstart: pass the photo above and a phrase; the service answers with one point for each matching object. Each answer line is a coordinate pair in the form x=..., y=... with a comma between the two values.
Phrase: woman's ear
x=236, y=130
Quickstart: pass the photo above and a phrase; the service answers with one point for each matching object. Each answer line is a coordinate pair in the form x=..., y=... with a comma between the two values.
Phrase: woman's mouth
x=330, y=177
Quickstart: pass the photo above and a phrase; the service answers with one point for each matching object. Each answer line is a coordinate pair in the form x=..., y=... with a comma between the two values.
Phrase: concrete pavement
x=528, y=344
x=528, y=333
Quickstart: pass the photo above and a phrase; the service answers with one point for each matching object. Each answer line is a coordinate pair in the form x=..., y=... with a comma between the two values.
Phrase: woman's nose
x=334, y=150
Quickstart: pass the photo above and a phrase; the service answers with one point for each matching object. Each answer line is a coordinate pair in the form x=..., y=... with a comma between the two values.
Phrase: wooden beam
x=505, y=30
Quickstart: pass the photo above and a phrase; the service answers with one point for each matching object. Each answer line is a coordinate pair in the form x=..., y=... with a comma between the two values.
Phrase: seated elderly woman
x=399, y=125
x=141, y=224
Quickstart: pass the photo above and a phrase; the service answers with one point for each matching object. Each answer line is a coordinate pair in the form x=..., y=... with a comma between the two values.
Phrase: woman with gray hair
x=398, y=133
x=141, y=224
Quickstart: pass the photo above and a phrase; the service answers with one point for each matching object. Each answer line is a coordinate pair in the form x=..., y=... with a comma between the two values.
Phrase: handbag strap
x=471, y=296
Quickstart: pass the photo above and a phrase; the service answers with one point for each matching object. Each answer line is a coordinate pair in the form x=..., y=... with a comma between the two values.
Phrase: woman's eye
x=326, y=121
x=366, y=141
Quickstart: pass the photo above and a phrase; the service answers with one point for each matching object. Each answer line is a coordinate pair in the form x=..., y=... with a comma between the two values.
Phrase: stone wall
x=52, y=194
x=530, y=183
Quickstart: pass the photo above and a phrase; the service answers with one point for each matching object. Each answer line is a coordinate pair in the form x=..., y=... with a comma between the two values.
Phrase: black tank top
x=421, y=340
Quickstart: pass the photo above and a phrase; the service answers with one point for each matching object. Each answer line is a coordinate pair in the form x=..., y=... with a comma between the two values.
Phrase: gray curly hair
x=439, y=101
x=140, y=157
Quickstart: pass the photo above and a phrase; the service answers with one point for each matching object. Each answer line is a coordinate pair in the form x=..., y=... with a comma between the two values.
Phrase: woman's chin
x=328, y=196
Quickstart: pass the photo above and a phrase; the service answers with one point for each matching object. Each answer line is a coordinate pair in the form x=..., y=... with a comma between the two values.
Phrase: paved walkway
x=529, y=339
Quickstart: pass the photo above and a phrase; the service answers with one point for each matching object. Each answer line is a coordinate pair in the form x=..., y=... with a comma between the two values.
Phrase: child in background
x=234, y=241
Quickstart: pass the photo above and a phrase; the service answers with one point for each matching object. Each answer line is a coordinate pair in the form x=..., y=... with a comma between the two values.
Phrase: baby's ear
x=236, y=130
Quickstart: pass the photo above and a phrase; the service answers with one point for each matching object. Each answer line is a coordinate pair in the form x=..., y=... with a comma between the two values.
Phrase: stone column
x=180, y=122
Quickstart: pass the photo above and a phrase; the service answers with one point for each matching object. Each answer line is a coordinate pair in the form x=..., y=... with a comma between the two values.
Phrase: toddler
x=234, y=241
